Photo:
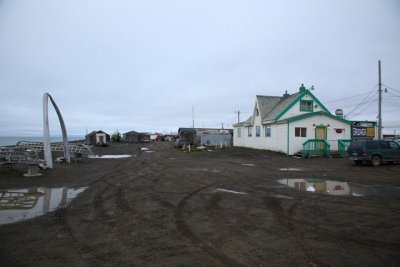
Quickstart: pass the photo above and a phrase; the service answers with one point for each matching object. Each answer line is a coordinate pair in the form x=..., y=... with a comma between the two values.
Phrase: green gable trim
x=289, y=107
x=307, y=115
x=306, y=92
x=288, y=133
x=318, y=102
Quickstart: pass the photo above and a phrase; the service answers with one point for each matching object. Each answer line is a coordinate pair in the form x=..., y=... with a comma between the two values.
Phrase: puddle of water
x=330, y=187
x=230, y=191
x=27, y=203
x=110, y=156
x=290, y=169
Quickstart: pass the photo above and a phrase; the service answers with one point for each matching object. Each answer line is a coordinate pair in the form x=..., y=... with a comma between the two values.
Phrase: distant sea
x=13, y=140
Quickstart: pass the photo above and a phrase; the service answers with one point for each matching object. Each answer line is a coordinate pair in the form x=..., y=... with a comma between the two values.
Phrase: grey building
x=136, y=137
x=206, y=136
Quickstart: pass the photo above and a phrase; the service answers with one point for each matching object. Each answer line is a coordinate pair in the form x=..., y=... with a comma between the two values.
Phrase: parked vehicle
x=373, y=151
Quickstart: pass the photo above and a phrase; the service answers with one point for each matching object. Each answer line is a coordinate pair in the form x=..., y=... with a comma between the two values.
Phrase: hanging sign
x=363, y=131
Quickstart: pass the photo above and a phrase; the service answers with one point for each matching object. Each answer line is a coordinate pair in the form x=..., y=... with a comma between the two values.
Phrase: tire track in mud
x=274, y=205
x=185, y=230
x=121, y=201
x=345, y=237
x=88, y=253
x=148, y=171
x=393, y=246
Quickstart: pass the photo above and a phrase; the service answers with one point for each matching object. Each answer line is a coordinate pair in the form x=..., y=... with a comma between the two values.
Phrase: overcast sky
x=142, y=65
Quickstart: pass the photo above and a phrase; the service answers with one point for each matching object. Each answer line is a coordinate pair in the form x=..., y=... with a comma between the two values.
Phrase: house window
x=306, y=105
x=249, y=131
x=257, y=112
x=267, y=131
x=258, y=131
x=300, y=132
x=239, y=132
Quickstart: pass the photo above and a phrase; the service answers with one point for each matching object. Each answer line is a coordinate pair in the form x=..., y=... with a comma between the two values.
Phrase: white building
x=292, y=123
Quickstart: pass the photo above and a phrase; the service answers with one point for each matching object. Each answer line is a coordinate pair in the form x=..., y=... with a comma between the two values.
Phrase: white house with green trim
x=292, y=123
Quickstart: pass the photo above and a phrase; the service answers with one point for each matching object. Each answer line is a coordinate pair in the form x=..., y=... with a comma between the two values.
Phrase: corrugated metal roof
x=280, y=107
x=270, y=107
x=266, y=104
x=244, y=123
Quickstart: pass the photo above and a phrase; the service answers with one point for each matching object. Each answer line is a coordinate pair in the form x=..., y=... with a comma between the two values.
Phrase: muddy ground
x=210, y=208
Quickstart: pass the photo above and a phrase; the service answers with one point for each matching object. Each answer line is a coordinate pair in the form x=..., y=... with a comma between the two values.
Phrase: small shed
x=188, y=134
x=99, y=138
x=136, y=137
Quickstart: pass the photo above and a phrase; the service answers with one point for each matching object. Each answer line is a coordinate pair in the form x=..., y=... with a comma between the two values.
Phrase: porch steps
x=336, y=154
x=300, y=154
x=297, y=155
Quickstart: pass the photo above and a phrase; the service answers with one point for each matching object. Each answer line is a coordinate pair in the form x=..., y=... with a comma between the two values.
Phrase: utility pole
x=192, y=117
x=193, y=125
x=238, y=113
x=379, y=102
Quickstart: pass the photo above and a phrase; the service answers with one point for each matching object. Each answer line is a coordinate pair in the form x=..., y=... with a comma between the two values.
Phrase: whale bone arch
x=46, y=132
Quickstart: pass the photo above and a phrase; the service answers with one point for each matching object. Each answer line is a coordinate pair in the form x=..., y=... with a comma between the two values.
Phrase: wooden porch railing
x=316, y=147
x=343, y=145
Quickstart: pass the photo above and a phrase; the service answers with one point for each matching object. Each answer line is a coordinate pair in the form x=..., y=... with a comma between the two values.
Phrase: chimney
x=302, y=88
x=286, y=95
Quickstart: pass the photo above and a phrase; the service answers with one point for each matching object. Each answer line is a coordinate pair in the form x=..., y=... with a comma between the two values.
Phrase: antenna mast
x=379, y=102
x=238, y=115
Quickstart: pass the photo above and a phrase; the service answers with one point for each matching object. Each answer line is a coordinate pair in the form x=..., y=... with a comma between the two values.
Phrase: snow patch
x=230, y=191
x=290, y=169
x=110, y=156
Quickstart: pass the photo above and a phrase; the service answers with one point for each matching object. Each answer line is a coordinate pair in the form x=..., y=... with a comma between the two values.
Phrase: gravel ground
x=164, y=207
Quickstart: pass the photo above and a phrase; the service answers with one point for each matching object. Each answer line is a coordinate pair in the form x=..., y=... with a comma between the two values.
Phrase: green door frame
x=288, y=136
x=326, y=132
x=321, y=146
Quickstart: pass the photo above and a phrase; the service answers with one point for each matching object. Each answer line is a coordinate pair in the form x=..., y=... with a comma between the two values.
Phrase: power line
x=361, y=110
x=362, y=102
x=345, y=98
x=390, y=87
x=374, y=112
x=393, y=95
x=369, y=101
x=392, y=103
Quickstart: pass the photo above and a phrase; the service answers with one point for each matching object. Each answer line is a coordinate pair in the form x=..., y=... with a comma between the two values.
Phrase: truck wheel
x=376, y=161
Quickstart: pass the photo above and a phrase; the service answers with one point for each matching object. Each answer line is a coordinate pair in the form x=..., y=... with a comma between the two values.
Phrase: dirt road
x=212, y=208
